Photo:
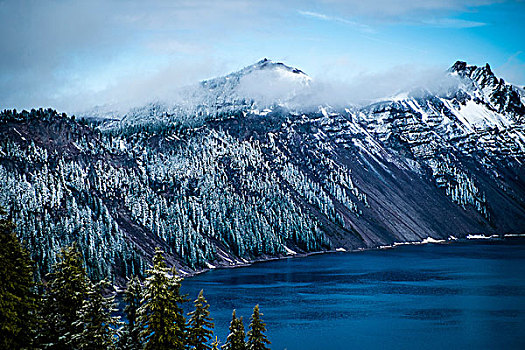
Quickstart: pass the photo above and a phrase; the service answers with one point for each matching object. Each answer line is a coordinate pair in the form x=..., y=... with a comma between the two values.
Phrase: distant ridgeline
x=242, y=185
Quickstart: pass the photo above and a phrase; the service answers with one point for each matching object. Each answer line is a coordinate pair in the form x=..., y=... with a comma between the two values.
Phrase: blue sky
x=74, y=54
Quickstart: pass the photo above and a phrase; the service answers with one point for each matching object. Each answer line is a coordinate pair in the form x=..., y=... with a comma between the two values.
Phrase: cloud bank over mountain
x=71, y=54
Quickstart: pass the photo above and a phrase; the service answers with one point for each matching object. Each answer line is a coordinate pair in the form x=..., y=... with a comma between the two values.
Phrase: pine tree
x=65, y=294
x=131, y=339
x=257, y=340
x=200, y=325
x=161, y=312
x=235, y=340
x=17, y=297
x=98, y=328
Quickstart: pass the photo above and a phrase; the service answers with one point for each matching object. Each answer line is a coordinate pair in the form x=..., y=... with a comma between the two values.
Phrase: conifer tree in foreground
x=65, y=294
x=200, y=325
x=235, y=340
x=257, y=340
x=97, y=328
x=161, y=312
x=17, y=297
x=131, y=332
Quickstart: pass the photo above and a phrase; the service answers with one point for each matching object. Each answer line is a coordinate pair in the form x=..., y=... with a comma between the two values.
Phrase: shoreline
x=428, y=240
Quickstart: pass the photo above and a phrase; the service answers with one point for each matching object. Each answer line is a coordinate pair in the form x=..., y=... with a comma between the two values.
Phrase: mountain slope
x=235, y=182
x=253, y=88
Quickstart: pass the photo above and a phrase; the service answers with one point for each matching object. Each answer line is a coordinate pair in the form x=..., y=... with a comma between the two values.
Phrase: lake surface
x=458, y=296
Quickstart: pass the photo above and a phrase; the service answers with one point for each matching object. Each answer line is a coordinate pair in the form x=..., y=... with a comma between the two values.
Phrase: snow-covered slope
x=256, y=88
x=235, y=172
x=485, y=88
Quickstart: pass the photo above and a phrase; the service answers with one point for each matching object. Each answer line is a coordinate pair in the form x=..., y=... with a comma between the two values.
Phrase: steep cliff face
x=494, y=93
x=223, y=179
x=471, y=140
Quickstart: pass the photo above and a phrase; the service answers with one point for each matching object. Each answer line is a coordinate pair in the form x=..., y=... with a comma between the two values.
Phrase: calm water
x=460, y=296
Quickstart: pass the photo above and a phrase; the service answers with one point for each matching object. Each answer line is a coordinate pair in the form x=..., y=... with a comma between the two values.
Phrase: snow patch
x=432, y=240
x=224, y=256
x=122, y=145
x=405, y=243
x=481, y=237
x=476, y=116
x=289, y=251
x=117, y=289
x=402, y=96
x=324, y=112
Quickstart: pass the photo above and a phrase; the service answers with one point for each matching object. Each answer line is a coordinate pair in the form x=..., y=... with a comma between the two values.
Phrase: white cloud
x=369, y=86
x=50, y=49
x=392, y=10
x=53, y=52
x=267, y=87
x=453, y=23
x=360, y=26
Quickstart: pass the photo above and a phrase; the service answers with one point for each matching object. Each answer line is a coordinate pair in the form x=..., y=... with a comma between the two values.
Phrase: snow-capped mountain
x=236, y=171
x=490, y=91
x=256, y=88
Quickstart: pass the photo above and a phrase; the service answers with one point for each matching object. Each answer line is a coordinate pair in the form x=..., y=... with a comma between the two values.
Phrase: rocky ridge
x=223, y=180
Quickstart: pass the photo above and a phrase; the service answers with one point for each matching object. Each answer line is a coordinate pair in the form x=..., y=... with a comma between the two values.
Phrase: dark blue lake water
x=458, y=296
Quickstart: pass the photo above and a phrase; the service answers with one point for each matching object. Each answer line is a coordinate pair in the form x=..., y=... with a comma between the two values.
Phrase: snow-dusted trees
x=78, y=314
x=63, y=300
x=457, y=183
x=130, y=337
x=96, y=326
x=75, y=312
x=194, y=191
x=235, y=339
x=18, y=307
x=257, y=340
x=200, y=325
x=53, y=210
x=161, y=312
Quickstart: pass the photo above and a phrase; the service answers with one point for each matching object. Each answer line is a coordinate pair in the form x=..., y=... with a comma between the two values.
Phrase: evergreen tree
x=257, y=340
x=161, y=312
x=65, y=294
x=235, y=340
x=17, y=297
x=131, y=339
x=98, y=328
x=200, y=325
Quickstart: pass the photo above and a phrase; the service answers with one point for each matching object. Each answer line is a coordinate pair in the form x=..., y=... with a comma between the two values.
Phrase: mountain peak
x=266, y=63
x=502, y=97
x=459, y=66
x=465, y=70
x=269, y=69
x=264, y=60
